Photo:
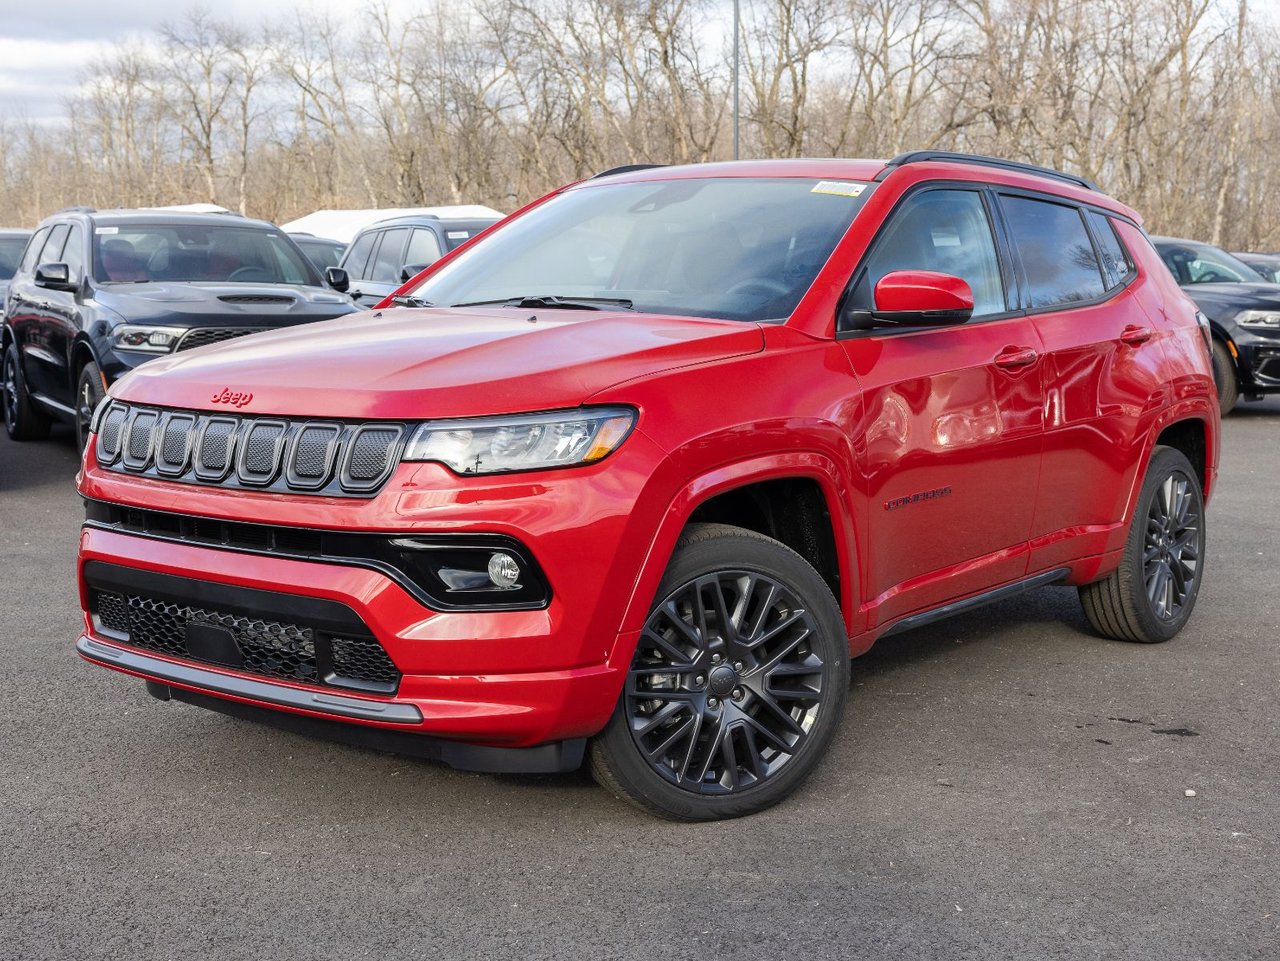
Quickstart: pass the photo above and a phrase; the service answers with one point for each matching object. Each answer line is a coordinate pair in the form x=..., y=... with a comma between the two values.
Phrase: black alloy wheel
x=724, y=688
x=89, y=394
x=737, y=683
x=21, y=417
x=1151, y=595
x=1172, y=545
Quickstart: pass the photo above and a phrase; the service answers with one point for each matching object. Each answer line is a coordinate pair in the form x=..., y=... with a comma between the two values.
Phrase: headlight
x=1259, y=319
x=522, y=442
x=152, y=340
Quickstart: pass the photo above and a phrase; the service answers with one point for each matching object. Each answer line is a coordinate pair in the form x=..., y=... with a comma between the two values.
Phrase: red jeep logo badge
x=235, y=398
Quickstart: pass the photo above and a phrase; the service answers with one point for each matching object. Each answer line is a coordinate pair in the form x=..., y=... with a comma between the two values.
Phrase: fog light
x=504, y=571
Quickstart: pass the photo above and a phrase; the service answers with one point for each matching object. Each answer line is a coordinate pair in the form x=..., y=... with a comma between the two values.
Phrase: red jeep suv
x=637, y=472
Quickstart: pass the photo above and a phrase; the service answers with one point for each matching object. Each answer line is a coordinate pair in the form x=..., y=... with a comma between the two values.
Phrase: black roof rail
x=920, y=156
x=624, y=169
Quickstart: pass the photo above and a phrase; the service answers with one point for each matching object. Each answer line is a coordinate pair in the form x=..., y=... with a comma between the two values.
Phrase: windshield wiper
x=408, y=300
x=551, y=301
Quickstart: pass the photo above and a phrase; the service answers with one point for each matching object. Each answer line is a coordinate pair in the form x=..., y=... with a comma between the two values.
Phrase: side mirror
x=409, y=271
x=921, y=298
x=338, y=279
x=54, y=277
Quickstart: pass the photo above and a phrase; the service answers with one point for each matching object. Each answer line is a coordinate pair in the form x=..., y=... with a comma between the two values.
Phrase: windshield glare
x=191, y=253
x=732, y=248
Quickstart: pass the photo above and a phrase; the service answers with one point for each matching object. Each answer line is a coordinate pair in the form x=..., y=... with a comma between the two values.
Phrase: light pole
x=735, y=78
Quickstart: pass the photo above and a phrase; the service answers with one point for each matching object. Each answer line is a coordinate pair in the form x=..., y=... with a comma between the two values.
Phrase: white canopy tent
x=343, y=225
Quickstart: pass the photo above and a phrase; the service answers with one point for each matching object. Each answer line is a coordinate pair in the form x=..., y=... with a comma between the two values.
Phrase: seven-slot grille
x=265, y=453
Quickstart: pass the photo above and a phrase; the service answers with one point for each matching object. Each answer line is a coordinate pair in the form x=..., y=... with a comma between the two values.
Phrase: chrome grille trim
x=278, y=454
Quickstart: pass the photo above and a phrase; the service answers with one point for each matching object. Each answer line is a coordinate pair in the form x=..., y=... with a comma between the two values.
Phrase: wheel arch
x=791, y=495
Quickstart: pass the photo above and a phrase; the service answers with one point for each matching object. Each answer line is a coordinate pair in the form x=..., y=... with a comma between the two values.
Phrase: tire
x=1224, y=375
x=1150, y=596
x=734, y=720
x=89, y=392
x=22, y=419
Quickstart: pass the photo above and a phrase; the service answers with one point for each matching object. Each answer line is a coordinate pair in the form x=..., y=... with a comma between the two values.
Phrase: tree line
x=1170, y=105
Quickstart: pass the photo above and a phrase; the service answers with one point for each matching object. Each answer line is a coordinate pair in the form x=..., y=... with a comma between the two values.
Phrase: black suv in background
x=385, y=255
x=1244, y=315
x=99, y=292
x=12, y=243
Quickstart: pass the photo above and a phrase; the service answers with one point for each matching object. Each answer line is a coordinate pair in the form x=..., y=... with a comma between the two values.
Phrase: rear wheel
x=1224, y=375
x=737, y=684
x=89, y=393
x=22, y=418
x=1150, y=596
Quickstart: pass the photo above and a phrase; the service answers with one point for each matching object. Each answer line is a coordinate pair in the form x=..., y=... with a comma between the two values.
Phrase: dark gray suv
x=384, y=256
x=99, y=292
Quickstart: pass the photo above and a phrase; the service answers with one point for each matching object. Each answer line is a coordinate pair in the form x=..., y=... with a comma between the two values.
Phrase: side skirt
x=912, y=621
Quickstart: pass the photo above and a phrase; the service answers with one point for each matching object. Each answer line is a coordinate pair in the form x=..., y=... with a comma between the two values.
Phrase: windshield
x=1202, y=264
x=186, y=253
x=10, y=255
x=733, y=248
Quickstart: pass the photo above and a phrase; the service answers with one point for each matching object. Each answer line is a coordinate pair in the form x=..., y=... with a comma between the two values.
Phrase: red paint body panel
x=951, y=460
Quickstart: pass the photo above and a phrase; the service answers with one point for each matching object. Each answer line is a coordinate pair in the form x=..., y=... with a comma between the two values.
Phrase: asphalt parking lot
x=1005, y=785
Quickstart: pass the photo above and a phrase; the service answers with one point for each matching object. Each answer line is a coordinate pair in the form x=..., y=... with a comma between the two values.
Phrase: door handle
x=1135, y=334
x=1014, y=357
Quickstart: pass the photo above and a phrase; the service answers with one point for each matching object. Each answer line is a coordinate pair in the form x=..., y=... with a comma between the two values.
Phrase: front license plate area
x=209, y=642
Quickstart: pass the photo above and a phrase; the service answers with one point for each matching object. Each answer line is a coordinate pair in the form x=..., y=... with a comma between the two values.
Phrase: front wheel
x=737, y=684
x=1224, y=377
x=89, y=393
x=1150, y=596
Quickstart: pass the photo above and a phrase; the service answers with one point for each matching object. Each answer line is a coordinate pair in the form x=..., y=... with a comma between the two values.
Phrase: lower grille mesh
x=294, y=652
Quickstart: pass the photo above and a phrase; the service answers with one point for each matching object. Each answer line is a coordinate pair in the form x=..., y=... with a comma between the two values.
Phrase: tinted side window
x=1116, y=264
x=53, y=246
x=1056, y=251
x=945, y=231
x=390, y=257
x=33, y=249
x=424, y=248
x=358, y=256
x=73, y=253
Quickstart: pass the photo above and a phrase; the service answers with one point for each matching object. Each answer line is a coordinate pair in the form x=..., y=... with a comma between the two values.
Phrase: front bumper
x=1258, y=359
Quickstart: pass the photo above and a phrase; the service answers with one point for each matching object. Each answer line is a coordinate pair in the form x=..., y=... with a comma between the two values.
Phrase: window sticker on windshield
x=457, y=234
x=107, y=230
x=841, y=188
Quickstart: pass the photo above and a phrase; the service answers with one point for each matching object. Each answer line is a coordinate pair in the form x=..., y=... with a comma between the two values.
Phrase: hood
x=436, y=362
x=1220, y=300
x=222, y=305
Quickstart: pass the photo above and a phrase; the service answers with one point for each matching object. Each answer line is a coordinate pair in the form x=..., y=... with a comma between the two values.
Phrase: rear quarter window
x=1057, y=255
x=1117, y=265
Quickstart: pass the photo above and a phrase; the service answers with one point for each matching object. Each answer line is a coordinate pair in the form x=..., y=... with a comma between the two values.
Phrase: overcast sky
x=45, y=46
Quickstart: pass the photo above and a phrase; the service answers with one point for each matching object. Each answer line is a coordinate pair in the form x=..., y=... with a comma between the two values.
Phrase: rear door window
x=1057, y=255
